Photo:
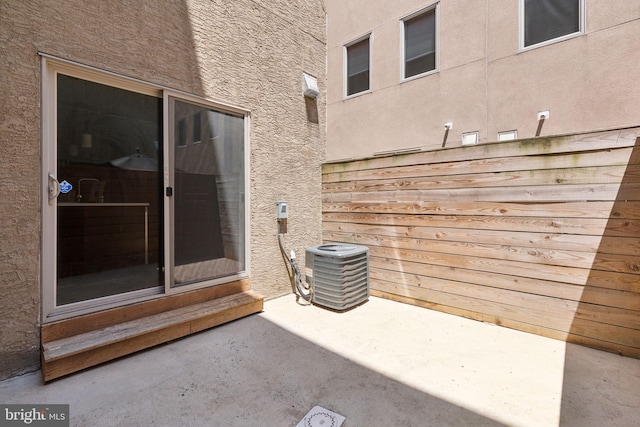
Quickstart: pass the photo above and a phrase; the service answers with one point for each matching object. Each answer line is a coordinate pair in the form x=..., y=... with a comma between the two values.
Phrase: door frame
x=50, y=67
x=169, y=180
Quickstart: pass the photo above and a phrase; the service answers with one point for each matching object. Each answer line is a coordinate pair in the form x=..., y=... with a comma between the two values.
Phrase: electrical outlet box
x=282, y=210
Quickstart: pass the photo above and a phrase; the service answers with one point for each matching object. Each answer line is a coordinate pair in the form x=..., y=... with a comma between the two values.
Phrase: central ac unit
x=338, y=275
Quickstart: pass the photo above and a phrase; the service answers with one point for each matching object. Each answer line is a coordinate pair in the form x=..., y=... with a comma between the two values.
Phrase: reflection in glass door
x=208, y=203
x=109, y=210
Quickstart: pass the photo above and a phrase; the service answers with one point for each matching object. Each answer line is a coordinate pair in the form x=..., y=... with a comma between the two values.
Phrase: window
x=135, y=207
x=470, y=138
x=419, y=43
x=197, y=128
x=181, y=133
x=508, y=135
x=358, y=67
x=549, y=20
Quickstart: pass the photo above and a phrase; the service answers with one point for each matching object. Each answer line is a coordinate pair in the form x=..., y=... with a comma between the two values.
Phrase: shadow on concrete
x=599, y=390
x=249, y=372
x=609, y=309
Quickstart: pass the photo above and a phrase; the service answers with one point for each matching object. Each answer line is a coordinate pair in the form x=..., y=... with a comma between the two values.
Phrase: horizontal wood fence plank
x=613, y=157
x=558, y=321
x=578, y=259
x=530, y=194
x=610, y=280
x=561, y=319
x=549, y=177
x=601, y=141
x=564, y=310
x=607, y=228
x=588, y=226
x=572, y=275
x=411, y=274
x=395, y=258
x=470, y=249
x=606, y=210
x=527, y=239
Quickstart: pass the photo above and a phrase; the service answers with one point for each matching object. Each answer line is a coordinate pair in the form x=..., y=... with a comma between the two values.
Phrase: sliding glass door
x=109, y=219
x=145, y=191
x=208, y=204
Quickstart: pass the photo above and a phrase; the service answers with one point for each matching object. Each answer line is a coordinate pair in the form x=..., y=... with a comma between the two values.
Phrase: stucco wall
x=484, y=83
x=248, y=53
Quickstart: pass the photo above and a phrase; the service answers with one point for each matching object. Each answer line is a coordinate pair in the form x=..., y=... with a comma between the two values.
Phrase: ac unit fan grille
x=339, y=279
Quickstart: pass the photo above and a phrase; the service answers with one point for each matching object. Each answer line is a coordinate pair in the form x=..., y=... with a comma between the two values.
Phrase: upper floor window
x=357, y=58
x=419, y=43
x=549, y=20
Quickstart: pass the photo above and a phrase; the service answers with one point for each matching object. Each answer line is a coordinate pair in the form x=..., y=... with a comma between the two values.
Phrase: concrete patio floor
x=380, y=364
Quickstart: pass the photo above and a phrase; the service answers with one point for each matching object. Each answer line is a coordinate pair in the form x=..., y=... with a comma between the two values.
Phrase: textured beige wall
x=484, y=83
x=248, y=53
x=588, y=83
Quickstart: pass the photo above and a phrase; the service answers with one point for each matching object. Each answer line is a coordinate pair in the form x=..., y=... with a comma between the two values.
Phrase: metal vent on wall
x=338, y=275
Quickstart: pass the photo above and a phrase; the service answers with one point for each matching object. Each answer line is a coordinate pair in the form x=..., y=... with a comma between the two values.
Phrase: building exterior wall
x=390, y=183
x=484, y=82
x=246, y=53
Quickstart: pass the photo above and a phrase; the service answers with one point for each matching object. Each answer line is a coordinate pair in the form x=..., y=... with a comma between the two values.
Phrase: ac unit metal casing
x=338, y=275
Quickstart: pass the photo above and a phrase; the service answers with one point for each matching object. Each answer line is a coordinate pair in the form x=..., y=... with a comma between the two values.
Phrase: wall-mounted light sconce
x=447, y=127
x=508, y=135
x=310, y=86
x=542, y=116
x=470, y=138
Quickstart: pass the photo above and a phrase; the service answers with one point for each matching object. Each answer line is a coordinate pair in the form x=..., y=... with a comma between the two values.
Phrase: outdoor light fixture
x=447, y=127
x=542, y=116
x=310, y=86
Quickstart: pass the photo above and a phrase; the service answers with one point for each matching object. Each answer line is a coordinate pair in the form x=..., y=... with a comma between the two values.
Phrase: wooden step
x=70, y=354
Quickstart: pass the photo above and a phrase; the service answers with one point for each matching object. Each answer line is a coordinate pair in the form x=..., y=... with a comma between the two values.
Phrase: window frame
x=169, y=98
x=435, y=7
x=521, y=31
x=475, y=135
x=507, y=135
x=51, y=66
x=345, y=62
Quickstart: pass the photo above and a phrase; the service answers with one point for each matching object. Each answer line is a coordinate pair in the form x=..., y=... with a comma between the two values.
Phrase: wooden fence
x=539, y=235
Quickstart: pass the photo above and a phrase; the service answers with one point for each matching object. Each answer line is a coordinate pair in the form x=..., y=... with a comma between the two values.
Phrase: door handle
x=54, y=187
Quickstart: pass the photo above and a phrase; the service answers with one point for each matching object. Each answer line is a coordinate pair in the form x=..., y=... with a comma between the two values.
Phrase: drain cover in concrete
x=321, y=417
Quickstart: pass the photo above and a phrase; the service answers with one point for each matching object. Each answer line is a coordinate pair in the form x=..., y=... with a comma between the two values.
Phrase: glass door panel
x=208, y=202
x=109, y=211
